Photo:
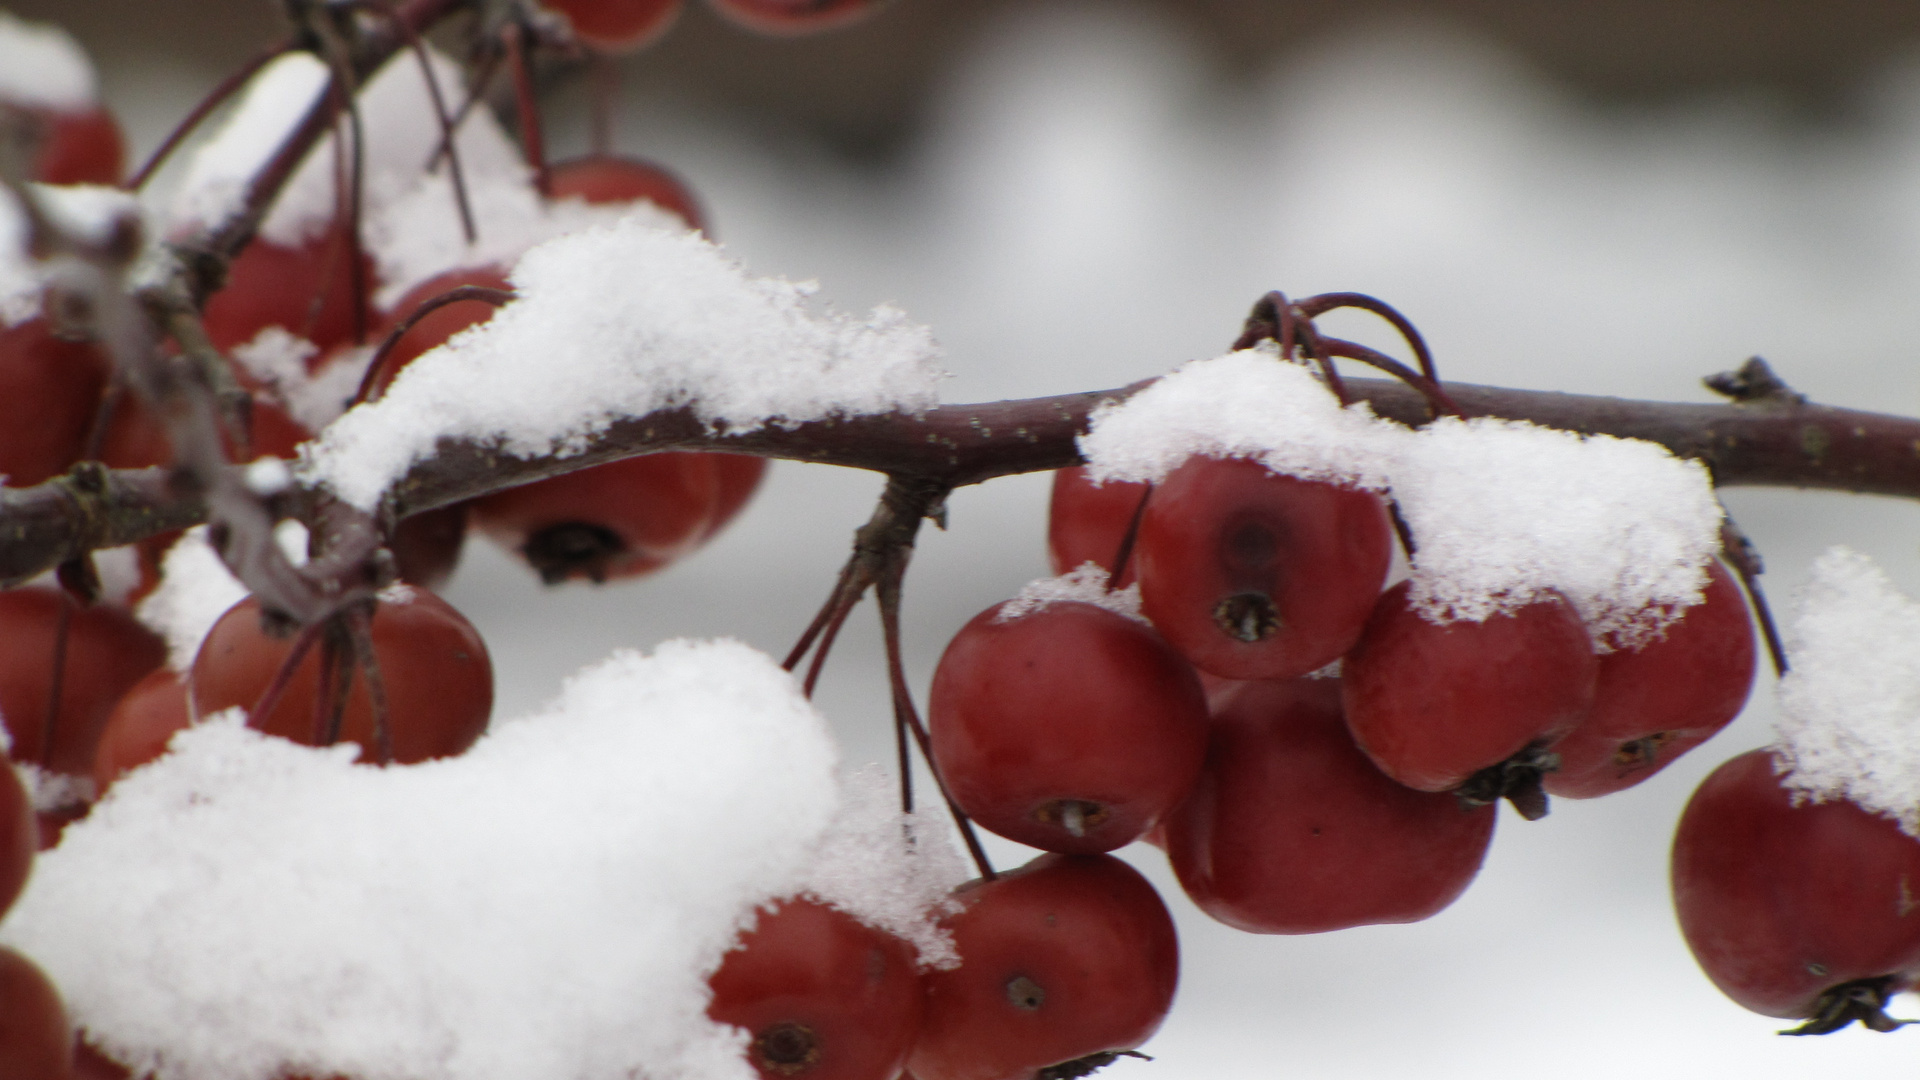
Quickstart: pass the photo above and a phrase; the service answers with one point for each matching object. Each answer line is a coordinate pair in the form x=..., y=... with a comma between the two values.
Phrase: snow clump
x=549, y=903
x=620, y=321
x=1502, y=511
x=1849, y=725
x=1085, y=584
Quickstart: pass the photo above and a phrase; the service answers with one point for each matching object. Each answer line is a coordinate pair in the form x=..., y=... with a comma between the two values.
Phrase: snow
x=217, y=173
x=1247, y=404
x=1849, y=724
x=1501, y=512
x=86, y=211
x=195, y=589
x=547, y=904
x=892, y=871
x=1084, y=584
x=621, y=321
x=41, y=65
x=278, y=358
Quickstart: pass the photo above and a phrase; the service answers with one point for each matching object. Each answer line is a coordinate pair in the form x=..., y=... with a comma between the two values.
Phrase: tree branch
x=1774, y=441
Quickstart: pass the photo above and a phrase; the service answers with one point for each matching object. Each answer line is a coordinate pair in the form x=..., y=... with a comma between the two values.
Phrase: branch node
x=1754, y=383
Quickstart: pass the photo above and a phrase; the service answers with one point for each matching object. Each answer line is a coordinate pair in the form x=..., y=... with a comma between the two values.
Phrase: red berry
x=820, y=994
x=1087, y=523
x=1654, y=703
x=1434, y=704
x=135, y=438
x=36, y=1041
x=107, y=652
x=1253, y=575
x=739, y=476
x=1068, y=957
x=91, y=1064
x=19, y=835
x=1782, y=903
x=607, y=178
x=426, y=547
x=618, y=25
x=435, y=327
x=49, y=392
x=792, y=17
x=621, y=519
x=137, y=731
x=1291, y=830
x=307, y=290
x=438, y=678
x=82, y=146
x=1070, y=728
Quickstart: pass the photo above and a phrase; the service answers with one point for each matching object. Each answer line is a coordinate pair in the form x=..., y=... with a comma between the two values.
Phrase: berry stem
x=1739, y=553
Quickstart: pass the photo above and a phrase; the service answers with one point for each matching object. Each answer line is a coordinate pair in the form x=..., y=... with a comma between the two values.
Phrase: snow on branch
x=624, y=321
x=1501, y=511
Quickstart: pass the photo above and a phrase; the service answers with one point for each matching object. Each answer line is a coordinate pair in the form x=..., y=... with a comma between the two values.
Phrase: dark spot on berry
x=573, y=549
x=786, y=1048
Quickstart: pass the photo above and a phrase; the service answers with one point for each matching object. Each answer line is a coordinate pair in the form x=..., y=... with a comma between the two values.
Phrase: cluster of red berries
x=1290, y=799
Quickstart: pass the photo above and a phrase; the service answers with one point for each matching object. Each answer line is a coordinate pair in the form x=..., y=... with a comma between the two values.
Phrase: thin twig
x=220, y=93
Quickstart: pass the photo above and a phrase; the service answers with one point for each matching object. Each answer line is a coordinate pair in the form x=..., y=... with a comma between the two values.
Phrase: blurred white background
x=1087, y=201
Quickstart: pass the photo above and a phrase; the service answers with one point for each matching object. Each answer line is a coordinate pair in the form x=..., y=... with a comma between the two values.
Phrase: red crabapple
x=36, y=1041
x=142, y=722
x=79, y=146
x=610, y=178
x=1067, y=958
x=1656, y=702
x=1254, y=575
x=107, y=652
x=821, y=995
x=1291, y=830
x=1070, y=728
x=305, y=289
x=1795, y=908
x=435, y=669
x=19, y=835
x=1088, y=522
x=618, y=25
x=1433, y=704
x=49, y=392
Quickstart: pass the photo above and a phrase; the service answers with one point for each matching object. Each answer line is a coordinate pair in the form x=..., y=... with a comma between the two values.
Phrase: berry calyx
x=1291, y=830
x=1254, y=575
x=437, y=678
x=1434, y=704
x=1794, y=908
x=1656, y=702
x=820, y=994
x=1070, y=728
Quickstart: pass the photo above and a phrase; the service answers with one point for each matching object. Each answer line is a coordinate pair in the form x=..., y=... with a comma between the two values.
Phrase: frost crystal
x=1086, y=584
x=1849, y=722
x=622, y=321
